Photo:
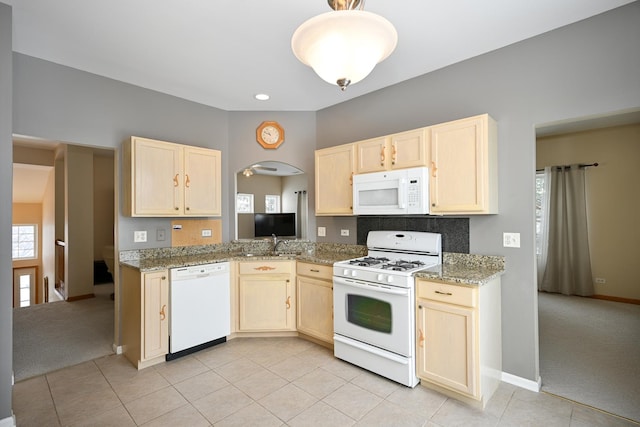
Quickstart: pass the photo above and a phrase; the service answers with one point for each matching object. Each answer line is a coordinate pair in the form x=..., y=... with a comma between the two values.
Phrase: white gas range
x=374, y=302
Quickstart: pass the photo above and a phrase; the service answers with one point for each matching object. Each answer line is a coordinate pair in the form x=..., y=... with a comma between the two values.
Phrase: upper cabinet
x=334, y=180
x=464, y=167
x=166, y=179
x=397, y=151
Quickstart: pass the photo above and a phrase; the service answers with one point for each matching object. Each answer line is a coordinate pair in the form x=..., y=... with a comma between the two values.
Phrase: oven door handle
x=372, y=349
x=371, y=287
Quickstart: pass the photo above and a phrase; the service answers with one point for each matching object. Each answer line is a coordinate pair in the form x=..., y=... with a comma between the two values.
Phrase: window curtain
x=543, y=224
x=567, y=265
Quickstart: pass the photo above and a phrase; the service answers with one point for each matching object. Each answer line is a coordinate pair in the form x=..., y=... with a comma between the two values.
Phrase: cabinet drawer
x=451, y=294
x=266, y=267
x=324, y=272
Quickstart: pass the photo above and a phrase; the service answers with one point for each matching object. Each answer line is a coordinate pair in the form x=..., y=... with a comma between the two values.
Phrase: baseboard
x=617, y=299
x=80, y=297
x=8, y=422
x=522, y=382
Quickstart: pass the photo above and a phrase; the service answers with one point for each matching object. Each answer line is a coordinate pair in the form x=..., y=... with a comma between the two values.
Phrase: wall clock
x=270, y=135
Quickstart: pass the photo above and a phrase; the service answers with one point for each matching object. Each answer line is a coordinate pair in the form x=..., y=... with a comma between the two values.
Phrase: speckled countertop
x=456, y=268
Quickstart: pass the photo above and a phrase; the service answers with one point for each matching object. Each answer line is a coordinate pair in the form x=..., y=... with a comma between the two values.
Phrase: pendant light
x=344, y=45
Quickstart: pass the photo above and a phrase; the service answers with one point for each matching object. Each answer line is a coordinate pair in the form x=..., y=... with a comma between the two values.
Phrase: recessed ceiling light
x=262, y=97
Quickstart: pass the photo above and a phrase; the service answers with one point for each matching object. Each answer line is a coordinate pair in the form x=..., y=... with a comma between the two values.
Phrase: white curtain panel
x=568, y=263
x=543, y=242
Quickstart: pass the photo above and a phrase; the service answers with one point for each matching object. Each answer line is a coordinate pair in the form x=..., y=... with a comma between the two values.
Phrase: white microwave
x=396, y=192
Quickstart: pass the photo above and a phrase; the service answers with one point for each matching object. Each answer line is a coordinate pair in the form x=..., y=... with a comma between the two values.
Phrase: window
x=244, y=203
x=272, y=203
x=23, y=243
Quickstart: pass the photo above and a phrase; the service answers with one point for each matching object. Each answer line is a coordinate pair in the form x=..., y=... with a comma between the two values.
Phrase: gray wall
x=588, y=68
x=6, y=177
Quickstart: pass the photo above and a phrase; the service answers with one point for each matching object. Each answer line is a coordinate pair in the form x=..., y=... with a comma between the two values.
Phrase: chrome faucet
x=276, y=242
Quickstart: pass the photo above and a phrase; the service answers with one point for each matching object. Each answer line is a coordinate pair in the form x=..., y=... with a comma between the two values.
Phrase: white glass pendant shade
x=344, y=45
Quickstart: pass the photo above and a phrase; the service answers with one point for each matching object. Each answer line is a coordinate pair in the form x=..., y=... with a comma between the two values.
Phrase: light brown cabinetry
x=145, y=316
x=458, y=338
x=166, y=179
x=398, y=151
x=315, y=301
x=266, y=296
x=334, y=169
x=464, y=167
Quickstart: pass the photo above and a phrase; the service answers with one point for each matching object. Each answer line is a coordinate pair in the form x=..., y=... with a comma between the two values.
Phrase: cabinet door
x=155, y=328
x=446, y=346
x=267, y=303
x=408, y=149
x=315, y=308
x=464, y=167
x=202, y=182
x=334, y=180
x=372, y=155
x=157, y=178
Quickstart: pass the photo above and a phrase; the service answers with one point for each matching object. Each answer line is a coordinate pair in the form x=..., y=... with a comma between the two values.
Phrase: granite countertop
x=467, y=269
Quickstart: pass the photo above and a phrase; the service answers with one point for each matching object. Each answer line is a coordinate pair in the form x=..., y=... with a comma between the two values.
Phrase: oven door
x=374, y=314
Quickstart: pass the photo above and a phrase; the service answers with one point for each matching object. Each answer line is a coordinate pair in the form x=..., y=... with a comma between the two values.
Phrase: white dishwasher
x=199, y=307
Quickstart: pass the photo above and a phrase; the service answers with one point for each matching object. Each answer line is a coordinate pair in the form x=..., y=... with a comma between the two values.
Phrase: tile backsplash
x=455, y=231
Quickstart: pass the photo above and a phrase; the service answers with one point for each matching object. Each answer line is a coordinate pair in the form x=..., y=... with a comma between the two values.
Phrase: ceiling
x=222, y=53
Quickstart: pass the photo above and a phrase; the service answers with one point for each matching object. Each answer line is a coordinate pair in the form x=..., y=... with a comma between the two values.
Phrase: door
x=202, y=173
x=374, y=314
x=24, y=286
x=156, y=322
x=266, y=303
x=334, y=180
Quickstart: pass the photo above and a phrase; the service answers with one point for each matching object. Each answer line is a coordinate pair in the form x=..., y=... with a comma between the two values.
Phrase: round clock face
x=270, y=134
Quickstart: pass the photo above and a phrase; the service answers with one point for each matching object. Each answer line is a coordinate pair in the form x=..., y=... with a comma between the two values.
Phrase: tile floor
x=268, y=382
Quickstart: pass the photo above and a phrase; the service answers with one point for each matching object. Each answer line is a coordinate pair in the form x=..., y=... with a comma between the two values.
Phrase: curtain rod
x=568, y=166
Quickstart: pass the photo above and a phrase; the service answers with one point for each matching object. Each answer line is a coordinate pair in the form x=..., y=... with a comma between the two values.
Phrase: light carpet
x=47, y=337
x=590, y=352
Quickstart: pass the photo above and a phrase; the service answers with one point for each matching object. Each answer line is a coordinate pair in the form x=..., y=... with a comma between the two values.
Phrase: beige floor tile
x=222, y=403
x=253, y=415
x=455, y=413
x=219, y=355
x=317, y=355
x=114, y=417
x=288, y=402
x=343, y=369
x=584, y=416
x=185, y=415
x=353, y=401
x=238, y=369
x=387, y=414
x=321, y=415
x=376, y=384
x=72, y=373
x=292, y=368
x=181, y=369
x=261, y=384
x=33, y=404
x=319, y=383
x=138, y=385
x=420, y=400
x=155, y=404
x=200, y=385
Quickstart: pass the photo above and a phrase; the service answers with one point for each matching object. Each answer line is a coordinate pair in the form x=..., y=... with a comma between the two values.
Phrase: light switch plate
x=139, y=236
x=160, y=234
x=322, y=231
x=511, y=240
x=206, y=233
x=344, y=232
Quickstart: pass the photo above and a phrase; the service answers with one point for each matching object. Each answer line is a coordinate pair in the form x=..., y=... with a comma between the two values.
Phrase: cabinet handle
x=177, y=208
x=175, y=180
x=393, y=154
x=315, y=271
x=264, y=268
x=420, y=339
x=164, y=278
x=162, y=313
x=434, y=168
x=382, y=157
x=444, y=293
x=351, y=179
x=187, y=181
x=187, y=208
x=288, y=303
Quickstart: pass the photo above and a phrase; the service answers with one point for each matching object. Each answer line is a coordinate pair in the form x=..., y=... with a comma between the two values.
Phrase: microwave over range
x=395, y=192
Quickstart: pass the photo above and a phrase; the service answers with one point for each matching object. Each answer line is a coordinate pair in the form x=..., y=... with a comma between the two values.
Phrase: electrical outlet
x=160, y=234
x=344, y=232
x=511, y=240
x=140, y=236
x=206, y=233
x=600, y=280
x=322, y=231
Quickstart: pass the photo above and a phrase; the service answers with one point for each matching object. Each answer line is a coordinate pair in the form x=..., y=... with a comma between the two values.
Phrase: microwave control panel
x=418, y=191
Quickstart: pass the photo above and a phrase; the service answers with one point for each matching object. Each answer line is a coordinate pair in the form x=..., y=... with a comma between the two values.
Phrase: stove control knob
x=354, y=273
x=390, y=279
x=380, y=277
x=345, y=272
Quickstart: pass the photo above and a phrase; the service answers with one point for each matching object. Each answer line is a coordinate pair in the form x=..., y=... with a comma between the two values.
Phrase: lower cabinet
x=145, y=321
x=314, y=285
x=266, y=296
x=458, y=338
